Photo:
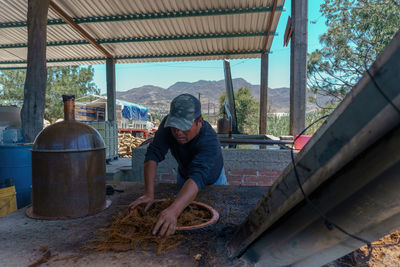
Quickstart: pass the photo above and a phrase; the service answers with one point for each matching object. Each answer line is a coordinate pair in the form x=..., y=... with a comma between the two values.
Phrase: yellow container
x=8, y=200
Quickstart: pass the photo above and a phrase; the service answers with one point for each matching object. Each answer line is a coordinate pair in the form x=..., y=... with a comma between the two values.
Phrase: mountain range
x=157, y=99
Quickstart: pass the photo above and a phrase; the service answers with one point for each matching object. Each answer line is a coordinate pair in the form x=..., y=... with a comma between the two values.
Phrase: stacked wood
x=126, y=142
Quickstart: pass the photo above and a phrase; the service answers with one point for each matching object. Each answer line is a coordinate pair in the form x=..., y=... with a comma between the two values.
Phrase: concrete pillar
x=298, y=66
x=111, y=91
x=263, y=93
x=229, y=95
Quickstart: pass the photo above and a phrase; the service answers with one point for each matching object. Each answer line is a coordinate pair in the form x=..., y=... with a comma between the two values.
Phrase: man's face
x=183, y=137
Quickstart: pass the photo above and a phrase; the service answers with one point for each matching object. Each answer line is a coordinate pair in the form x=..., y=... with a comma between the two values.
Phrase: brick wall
x=234, y=177
x=167, y=175
x=252, y=177
x=243, y=167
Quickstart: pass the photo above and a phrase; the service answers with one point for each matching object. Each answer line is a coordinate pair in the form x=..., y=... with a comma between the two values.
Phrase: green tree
x=60, y=80
x=12, y=87
x=67, y=80
x=246, y=110
x=357, y=32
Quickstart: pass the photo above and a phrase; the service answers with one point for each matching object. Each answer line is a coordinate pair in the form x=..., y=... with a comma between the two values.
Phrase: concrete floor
x=24, y=241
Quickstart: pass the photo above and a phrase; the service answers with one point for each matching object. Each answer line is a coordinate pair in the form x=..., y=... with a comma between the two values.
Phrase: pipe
x=69, y=107
x=255, y=141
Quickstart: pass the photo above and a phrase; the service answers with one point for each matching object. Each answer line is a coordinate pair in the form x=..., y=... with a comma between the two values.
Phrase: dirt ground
x=386, y=252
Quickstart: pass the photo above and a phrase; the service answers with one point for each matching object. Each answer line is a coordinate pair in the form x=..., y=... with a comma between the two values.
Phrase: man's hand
x=150, y=168
x=143, y=199
x=166, y=224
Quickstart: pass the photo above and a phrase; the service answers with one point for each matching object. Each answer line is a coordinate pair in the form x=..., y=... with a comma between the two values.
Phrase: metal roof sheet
x=143, y=30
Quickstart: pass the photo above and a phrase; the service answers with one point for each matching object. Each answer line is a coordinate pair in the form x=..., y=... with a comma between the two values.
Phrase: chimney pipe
x=69, y=107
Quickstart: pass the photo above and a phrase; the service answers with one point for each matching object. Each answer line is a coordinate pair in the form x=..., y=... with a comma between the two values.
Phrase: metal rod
x=142, y=39
x=148, y=16
x=255, y=141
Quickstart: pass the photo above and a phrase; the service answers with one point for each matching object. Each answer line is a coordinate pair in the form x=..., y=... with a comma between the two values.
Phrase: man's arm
x=166, y=224
x=150, y=169
x=207, y=162
x=155, y=153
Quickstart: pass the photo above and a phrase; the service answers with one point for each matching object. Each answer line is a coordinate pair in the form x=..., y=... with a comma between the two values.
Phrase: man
x=195, y=146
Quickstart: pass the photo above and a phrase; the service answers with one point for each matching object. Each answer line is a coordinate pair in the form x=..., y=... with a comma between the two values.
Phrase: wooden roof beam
x=79, y=29
x=271, y=19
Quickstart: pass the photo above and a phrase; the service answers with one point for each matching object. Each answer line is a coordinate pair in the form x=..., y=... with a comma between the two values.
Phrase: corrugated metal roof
x=143, y=30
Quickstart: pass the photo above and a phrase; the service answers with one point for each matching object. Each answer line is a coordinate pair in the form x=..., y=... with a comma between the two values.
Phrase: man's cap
x=183, y=111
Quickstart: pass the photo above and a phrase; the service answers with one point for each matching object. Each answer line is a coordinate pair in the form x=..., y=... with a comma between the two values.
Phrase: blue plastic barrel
x=16, y=163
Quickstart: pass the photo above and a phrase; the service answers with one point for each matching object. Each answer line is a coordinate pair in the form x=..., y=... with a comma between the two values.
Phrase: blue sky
x=165, y=74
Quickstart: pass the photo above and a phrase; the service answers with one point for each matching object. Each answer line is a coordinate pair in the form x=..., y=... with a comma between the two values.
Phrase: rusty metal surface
x=68, y=169
x=68, y=136
x=69, y=184
x=223, y=126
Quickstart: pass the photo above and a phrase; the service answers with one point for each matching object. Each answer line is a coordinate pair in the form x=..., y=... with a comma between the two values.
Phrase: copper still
x=224, y=125
x=68, y=169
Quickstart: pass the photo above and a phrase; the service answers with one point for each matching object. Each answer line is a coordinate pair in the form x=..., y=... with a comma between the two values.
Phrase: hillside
x=157, y=99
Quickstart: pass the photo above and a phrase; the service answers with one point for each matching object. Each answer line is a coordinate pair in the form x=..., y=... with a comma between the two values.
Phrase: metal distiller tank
x=68, y=169
x=223, y=125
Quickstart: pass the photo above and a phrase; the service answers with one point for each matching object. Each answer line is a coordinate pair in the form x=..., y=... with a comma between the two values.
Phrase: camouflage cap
x=183, y=111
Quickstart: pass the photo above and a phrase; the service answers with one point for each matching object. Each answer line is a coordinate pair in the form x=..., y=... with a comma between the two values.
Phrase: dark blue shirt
x=199, y=159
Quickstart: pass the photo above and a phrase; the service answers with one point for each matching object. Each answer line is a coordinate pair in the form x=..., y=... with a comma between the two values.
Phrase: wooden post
x=111, y=91
x=208, y=109
x=230, y=97
x=298, y=66
x=32, y=112
x=263, y=93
